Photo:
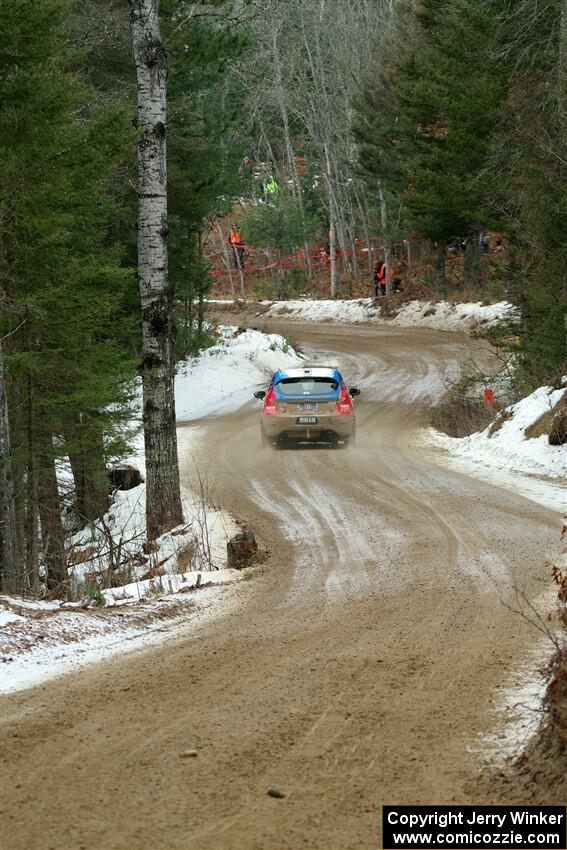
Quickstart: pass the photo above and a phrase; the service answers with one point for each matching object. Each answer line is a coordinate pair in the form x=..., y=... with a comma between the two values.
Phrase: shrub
x=296, y=281
x=92, y=591
x=264, y=289
x=460, y=417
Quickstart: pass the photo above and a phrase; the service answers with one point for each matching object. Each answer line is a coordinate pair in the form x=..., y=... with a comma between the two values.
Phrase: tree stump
x=241, y=550
x=558, y=430
x=125, y=477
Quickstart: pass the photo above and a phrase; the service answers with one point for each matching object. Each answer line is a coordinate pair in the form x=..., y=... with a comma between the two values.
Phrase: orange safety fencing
x=321, y=256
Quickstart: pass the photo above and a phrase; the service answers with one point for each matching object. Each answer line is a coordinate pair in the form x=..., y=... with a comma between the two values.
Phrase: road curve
x=358, y=670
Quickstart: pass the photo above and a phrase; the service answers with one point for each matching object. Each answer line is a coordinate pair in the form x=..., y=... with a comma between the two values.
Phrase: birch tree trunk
x=12, y=572
x=238, y=259
x=407, y=244
x=226, y=256
x=163, y=496
x=281, y=280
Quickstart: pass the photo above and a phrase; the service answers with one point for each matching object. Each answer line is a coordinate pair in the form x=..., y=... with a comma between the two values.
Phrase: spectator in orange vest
x=237, y=248
x=379, y=277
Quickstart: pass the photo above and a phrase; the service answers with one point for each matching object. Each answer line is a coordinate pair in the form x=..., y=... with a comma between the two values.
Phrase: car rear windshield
x=307, y=386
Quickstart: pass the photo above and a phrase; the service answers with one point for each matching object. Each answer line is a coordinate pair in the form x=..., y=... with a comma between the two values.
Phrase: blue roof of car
x=309, y=372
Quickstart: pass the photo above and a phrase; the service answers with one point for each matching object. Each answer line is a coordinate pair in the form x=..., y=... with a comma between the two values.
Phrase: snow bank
x=453, y=317
x=508, y=445
x=8, y=616
x=42, y=639
x=348, y=312
x=504, y=453
x=224, y=377
x=43, y=644
x=439, y=315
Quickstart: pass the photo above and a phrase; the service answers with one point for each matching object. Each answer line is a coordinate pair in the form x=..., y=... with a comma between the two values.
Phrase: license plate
x=307, y=405
x=306, y=420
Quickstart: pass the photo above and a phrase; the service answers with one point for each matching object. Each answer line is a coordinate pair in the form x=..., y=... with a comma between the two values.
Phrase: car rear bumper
x=274, y=427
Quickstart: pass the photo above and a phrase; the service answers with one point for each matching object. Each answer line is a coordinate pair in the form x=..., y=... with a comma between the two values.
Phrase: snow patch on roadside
x=518, y=709
x=509, y=458
x=224, y=377
x=348, y=312
x=66, y=641
x=169, y=584
x=8, y=616
x=436, y=315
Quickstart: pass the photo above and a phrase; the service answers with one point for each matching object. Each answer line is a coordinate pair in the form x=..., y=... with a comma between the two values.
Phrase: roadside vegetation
x=539, y=772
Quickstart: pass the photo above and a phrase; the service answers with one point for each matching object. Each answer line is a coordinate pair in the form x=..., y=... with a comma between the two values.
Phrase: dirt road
x=359, y=669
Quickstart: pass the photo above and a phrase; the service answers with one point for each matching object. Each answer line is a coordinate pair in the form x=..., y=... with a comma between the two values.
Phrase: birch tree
x=163, y=505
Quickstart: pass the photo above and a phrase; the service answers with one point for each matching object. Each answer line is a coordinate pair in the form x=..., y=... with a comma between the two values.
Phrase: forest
x=428, y=125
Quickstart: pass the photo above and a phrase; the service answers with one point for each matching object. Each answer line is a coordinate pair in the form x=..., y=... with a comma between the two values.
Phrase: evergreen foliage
x=204, y=155
x=529, y=163
x=426, y=123
x=61, y=271
x=278, y=225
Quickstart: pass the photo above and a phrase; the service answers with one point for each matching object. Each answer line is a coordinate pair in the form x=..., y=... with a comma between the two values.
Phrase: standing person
x=271, y=187
x=375, y=279
x=396, y=275
x=237, y=247
x=380, y=277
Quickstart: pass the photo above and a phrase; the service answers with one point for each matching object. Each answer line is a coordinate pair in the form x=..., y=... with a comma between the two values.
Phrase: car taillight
x=344, y=404
x=270, y=407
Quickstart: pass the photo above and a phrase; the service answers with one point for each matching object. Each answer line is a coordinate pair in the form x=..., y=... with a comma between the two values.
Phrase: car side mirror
x=353, y=391
x=260, y=394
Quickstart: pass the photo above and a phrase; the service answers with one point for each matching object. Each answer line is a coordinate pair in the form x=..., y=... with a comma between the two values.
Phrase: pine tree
x=204, y=155
x=426, y=120
x=454, y=103
x=62, y=273
x=529, y=163
x=9, y=548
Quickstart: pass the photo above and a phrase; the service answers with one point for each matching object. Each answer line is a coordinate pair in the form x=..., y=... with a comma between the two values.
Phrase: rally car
x=310, y=404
